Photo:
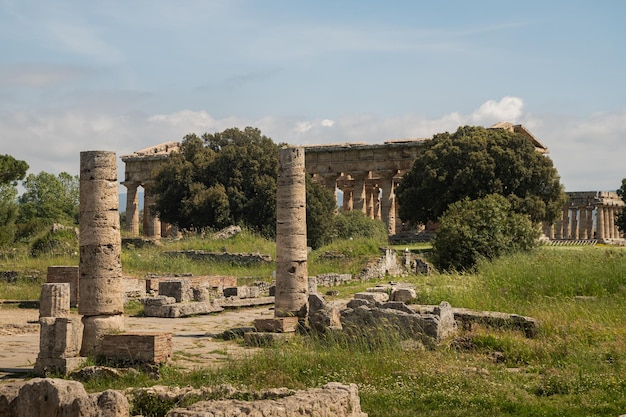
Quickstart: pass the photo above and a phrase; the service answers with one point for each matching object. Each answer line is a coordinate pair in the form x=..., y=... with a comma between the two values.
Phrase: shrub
x=355, y=224
x=56, y=242
x=485, y=228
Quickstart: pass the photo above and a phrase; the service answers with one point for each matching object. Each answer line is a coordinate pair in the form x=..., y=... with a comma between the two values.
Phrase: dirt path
x=193, y=338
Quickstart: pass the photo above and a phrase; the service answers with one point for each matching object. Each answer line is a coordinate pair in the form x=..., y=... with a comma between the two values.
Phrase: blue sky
x=121, y=76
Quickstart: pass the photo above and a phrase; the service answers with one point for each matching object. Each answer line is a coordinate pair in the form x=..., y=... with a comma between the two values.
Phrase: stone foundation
x=137, y=348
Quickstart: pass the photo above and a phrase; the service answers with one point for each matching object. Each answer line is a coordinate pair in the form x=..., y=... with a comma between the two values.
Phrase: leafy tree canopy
x=474, y=162
x=11, y=169
x=8, y=213
x=485, y=228
x=228, y=178
x=49, y=198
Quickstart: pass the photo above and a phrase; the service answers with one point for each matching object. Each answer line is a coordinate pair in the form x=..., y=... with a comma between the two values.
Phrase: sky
x=122, y=76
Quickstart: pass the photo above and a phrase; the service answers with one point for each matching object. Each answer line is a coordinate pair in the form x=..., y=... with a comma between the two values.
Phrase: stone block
x=277, y=324
x=403, y=294
x=60, y=337
x=65, y=274
x=54, y=300
x=259, y=339
x=134, y=348
x=177, y=288
x=63, y=366
x=375, y=297
x=242, y=292
x=160, y=300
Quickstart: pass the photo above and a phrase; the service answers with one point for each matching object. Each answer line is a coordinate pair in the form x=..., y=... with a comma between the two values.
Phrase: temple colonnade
x=587, y=215
x=138, y=173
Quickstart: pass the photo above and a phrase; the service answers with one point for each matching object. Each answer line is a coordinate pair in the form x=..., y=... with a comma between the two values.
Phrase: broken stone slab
x=466, y=317
x=48, y=397
x=404, y=295
x=376, y=297
x=428, y=328
x=243, y=291
x=243, y=302
x=177, y=310
x=277, y=324
x=177, y=288
x=265, y=339
x=333, y=399
x=322, y=315
x=160, y=300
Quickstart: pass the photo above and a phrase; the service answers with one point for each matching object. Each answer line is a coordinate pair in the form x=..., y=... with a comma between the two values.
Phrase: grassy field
x=576, y=366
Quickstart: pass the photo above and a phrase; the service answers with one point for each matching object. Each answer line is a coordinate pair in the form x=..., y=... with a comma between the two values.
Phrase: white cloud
x=588, y=152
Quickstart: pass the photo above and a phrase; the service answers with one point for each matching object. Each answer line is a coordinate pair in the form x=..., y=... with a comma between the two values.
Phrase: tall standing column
x=292, y=292
x=575, y=229
x=100, y=272
x=600, y=223
x=590, y=232
x=584, y=233
x=566, y=223
x=348, y=200
x=359, y=195
x=152, y=223
x=387, y=203
x=132, y=208
x=330, y=182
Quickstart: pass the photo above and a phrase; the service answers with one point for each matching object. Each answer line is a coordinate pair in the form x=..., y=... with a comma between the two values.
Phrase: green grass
x=576, y=366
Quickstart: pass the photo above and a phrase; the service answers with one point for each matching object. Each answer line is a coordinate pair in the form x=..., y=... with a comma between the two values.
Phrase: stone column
x=132, y=208
x=590, y=231
x=575, y=229
x=370, y=191
x=151, y=224
x=359, y=196
x=348, y=197
x=566, y=223
x=291, y=248
x=607, y=226
x=600, y=223
x=100, y=284
x=387, y=202
x=584, y=223
x=612, y=227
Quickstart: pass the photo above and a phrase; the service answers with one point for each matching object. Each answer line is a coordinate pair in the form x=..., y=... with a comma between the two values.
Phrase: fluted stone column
x=291, y=247
x=590, y=231
x=359, y=194
x=584, y=223
x=348, y=197
x=152, y=223
x=387, y=203
x=330, y=182
x=100, y=283
x=566, y=223
x=575, y=229
x=600, y=223
x=132, y=208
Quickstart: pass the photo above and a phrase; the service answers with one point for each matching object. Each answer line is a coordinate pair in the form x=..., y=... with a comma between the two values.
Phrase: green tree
x=8, y=213
x=49, y=198
x=320, y=213
x=11, y=169
x=621, y=218
x=474, y=162
x=226, y=178
x=485, y=228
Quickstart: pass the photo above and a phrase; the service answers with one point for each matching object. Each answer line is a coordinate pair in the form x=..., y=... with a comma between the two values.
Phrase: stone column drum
x=100, y=282
x=291, y=248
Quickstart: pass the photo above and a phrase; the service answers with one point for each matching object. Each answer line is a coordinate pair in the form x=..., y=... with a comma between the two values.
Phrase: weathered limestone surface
x=137, y=348
x=54, y=300
x=291, y=254
x=332, y=400
x=46, y=397
x=390, y=317
x=179, y=289
x=100, y=284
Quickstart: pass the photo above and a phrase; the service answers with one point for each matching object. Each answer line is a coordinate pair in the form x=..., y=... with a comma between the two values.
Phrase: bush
x=485, y=228
x=56, y=243
x=355, y=224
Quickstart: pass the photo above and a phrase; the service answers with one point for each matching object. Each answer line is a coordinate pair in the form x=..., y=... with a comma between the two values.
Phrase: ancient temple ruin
x=366, y=177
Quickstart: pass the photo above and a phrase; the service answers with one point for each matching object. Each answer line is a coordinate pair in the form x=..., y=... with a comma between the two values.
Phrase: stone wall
x=133, y=348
